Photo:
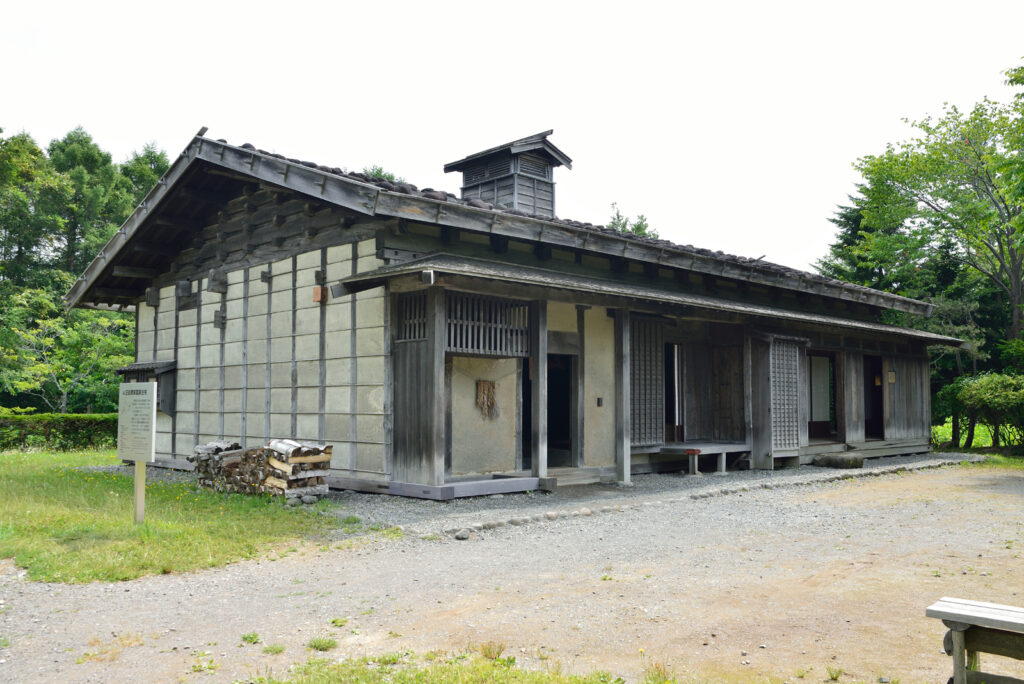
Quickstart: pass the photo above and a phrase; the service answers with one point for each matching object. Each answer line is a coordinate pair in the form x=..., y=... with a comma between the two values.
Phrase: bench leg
x=721, y=464
x=694, y=464
x=959, y=658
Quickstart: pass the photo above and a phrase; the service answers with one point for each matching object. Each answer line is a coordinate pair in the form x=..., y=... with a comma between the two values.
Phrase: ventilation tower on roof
x=516, y=175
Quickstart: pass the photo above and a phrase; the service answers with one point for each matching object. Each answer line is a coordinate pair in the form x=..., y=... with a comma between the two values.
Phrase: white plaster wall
x=482, y=444
x=561, y=317
x=599, y=421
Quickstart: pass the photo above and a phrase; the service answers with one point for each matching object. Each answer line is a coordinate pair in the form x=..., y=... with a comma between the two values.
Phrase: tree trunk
x=969, y=442
x=64, y=402
x=995, y=435
x=955, y=436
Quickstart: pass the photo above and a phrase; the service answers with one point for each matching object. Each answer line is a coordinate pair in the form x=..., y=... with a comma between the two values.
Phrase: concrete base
x=445, y=492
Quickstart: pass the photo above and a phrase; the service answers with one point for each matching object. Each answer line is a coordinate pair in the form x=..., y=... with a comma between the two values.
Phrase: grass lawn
x=943, y=433
x=464, y=668
x=67, y=525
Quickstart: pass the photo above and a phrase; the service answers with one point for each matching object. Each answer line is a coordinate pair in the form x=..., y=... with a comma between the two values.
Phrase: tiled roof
x=442, y=196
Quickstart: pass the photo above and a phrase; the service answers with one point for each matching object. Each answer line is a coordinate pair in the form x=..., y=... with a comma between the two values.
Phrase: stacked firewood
x=298, y=469
x=283, y=467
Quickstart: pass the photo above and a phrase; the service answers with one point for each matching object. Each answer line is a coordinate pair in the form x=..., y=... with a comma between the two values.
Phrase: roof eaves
x=131, y=225
x=448, y=264
x=304, y=177
x=575, y=235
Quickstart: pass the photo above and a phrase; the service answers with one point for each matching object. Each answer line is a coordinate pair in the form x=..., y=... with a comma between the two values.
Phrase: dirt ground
x=771, y=585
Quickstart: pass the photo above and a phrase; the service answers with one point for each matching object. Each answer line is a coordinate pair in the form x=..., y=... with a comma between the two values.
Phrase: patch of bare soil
x=763, y=586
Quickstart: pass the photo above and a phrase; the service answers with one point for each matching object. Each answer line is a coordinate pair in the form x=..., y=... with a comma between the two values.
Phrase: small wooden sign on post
x=136, y=434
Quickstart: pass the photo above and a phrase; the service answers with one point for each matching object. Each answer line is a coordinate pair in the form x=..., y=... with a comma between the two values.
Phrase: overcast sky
x=732, y=126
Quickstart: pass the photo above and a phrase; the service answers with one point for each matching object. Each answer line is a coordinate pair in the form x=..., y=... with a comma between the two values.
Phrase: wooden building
x=450, y=346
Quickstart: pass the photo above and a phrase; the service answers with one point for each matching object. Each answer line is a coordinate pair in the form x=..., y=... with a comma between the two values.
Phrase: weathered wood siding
x=761, y=403
x=535, y=196
x=698, y=402
x=907, y=398
x=412, y=378
x=853, y=400
x=727, y=396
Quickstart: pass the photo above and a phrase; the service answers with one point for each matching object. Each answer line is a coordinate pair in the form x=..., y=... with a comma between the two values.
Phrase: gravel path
x=425, y=517
x=816, y=570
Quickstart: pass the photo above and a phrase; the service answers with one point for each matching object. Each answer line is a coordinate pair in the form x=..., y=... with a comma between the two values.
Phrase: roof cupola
x=516, y=175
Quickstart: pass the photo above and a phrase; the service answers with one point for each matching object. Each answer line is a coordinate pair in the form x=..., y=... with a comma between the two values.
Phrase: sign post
x=136, y=434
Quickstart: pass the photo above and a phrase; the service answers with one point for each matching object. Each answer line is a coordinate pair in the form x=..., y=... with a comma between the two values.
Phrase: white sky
x=732, y=126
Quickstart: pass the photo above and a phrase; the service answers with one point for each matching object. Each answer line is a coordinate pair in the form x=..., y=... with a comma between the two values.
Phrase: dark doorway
x=821, y=376
x=560, y=410
x=874, y=414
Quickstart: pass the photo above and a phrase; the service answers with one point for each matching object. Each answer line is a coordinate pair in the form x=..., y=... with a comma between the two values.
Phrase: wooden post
x=959, y=657
x=140, y=490
x=622, y=400
x=437, y=325
x=748, y=389
x=539, y=387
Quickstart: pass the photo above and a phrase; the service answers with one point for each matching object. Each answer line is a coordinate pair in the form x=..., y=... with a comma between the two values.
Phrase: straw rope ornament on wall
x=486, y=400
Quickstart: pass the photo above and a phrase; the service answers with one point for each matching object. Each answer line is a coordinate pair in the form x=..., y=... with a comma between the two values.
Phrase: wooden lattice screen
x=487, y=326
x=647, y=382
x=785, y=391
x=412, y=316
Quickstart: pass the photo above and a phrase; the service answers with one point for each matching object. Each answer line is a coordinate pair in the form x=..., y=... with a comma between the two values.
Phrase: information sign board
x=136, y=421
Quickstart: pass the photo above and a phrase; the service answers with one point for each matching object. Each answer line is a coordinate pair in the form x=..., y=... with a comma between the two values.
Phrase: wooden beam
x=156, y=250
x=622, y=399
x=499, y=244
x=539, y=388
x=449, y=236
x=205, y=195
x=171, y=222
x=134, y=272
x=111, y=293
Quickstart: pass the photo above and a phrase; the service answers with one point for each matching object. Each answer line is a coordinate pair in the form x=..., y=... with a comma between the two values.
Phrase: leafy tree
x=904, y=259
x=55, y=213
x=624, y=224
x=102, y=198
x=61, y=358
x=143, y=169
x=954, y=185
x=32, y=194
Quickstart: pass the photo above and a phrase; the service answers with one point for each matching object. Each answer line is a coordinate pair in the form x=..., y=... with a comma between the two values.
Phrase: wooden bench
x=974, y=628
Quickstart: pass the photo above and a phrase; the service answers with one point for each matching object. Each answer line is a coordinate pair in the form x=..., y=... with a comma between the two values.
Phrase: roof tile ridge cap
x=335, y=171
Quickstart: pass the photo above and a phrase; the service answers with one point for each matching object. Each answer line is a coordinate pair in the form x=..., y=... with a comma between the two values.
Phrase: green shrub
x=997, y=401
x=58, y=431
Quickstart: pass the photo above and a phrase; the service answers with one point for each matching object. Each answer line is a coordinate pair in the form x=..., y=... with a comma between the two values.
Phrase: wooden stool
x=694, y=456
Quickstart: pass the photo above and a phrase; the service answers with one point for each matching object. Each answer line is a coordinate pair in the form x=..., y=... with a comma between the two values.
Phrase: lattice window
x=785, y=389
x=412, y=316
x=647, y=382
x=487, y=326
